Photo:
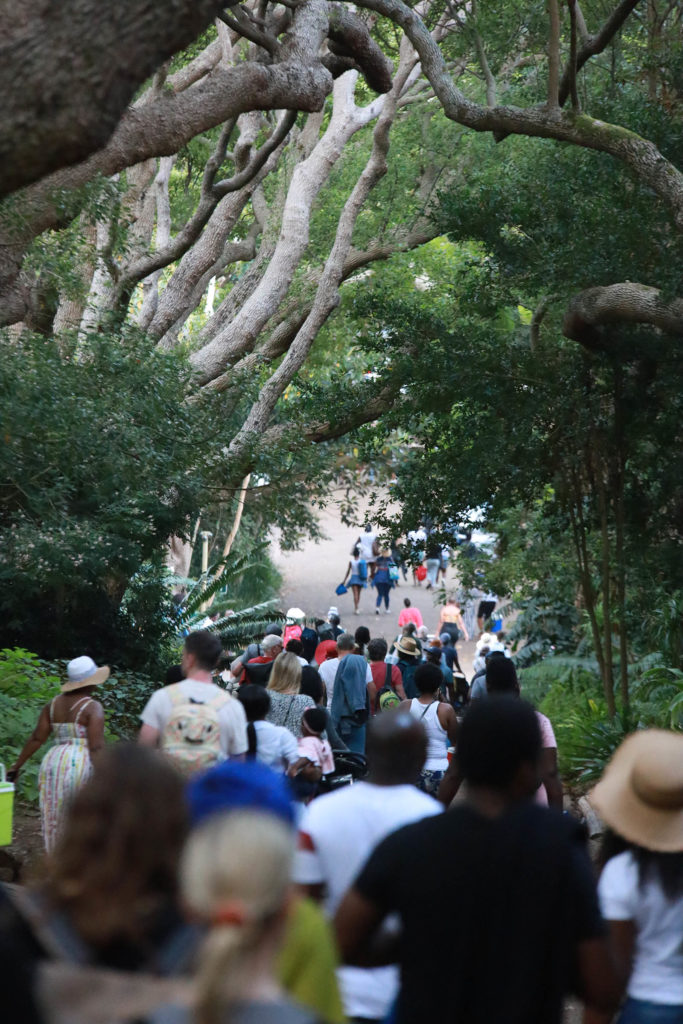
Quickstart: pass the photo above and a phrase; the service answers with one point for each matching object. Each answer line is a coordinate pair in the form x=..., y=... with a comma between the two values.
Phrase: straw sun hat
x=640, y=795
x=84, y=672
x=407, y=645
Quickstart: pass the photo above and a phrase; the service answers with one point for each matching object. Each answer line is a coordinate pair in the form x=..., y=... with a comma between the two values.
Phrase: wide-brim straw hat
x=407, y=645
x=83, y=672
x=640, y=796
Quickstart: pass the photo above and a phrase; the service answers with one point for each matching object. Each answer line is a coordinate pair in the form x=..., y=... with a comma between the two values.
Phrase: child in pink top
x=312, y=745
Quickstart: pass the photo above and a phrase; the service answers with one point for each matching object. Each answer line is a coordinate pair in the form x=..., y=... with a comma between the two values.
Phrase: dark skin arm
x=35, y=741
x=450, y=784
x=306, y=769
x=360, y=941
x=95, y=728
x=550, y=777
x=622, y=938
x=449, y=722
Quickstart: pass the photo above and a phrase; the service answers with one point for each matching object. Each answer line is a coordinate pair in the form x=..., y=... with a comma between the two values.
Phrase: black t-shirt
x=492, y=912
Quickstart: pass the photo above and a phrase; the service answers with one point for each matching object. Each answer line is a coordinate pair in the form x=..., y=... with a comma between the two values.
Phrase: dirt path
x=311, y=575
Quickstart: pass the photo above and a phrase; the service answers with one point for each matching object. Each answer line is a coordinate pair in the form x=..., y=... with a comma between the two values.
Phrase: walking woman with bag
x=357, y=576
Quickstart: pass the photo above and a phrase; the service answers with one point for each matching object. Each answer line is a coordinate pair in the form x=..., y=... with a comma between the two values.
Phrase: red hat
x=325, y=650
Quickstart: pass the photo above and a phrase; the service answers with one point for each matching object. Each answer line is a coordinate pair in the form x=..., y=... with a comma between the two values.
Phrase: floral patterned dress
x=63, y=770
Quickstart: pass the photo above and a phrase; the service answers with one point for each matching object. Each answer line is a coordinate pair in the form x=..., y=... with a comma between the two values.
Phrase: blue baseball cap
x=239, y=785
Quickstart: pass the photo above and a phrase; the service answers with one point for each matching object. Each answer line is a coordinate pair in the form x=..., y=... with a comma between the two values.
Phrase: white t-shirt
x=328, y=671
x=337, y=834
x=365, y=544
x=231, y=716
x=657, y=975
x=275, y=746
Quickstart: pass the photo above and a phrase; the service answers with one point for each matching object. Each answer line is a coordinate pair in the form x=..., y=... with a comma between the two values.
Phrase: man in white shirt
x=200, y=655
x=340, y=830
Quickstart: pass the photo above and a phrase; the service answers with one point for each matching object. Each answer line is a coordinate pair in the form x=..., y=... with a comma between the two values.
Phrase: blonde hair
x=245, y=857
x=285, y=676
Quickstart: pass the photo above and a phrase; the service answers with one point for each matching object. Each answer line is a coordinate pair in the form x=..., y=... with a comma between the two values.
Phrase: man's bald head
x=396, y=748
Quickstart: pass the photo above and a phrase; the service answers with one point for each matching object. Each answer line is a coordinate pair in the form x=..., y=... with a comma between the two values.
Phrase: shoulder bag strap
x=427, y=708
x=387, y=676
x=83, y=705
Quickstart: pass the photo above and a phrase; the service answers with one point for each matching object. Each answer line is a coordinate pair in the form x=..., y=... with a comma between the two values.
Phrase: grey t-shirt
x=280, y=1012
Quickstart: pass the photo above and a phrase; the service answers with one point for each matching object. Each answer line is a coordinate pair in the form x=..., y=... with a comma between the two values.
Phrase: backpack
x=192, y=734
x=386, y=697
x=292, y=632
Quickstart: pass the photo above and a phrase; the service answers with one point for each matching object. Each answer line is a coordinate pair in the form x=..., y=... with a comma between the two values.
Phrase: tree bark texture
x=68, y=71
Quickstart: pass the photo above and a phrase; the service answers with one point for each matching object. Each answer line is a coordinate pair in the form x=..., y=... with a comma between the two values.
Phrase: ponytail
x=222, y=956
x=235, y=876
x=252, y=741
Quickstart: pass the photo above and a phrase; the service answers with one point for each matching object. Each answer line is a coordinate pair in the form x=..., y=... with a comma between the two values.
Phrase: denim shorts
x=639, y=1011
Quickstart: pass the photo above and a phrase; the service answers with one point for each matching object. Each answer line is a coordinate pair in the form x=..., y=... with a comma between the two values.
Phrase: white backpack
x=192, y=734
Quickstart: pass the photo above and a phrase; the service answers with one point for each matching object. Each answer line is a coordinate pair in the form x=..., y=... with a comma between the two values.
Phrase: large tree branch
x=209, y=199
x=240, y=334
x=639, y=154
x=68, y=71
x=327, y=294
x=626, y=302
x=594, y=44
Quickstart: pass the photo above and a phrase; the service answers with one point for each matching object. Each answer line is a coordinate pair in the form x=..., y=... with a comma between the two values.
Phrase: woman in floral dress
x=75, y=721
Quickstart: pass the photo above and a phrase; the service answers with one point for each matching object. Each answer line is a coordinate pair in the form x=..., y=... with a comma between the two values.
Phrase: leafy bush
x=569, y=692
x=26, y=684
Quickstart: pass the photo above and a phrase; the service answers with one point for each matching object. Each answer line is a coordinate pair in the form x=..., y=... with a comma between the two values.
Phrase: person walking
x=409, y=614
x=357, y=576
x=339, y=831
x=516, y=908
x=110, y=900
x=382, y=580
x=433, y=563
x=387, y=683
x=439, y=722
x=368, y=547
x=75, y=721
x=502, y=682
x=350, y=702
x=195, y=722
x=409, y=654
x=451, y=621
x=235, y=879
x=640, y=797
x=287, y=702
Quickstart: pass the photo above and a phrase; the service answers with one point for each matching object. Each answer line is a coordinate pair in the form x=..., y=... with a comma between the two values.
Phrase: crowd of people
x=226, y=868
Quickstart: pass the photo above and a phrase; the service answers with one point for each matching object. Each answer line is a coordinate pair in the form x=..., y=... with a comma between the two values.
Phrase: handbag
x=341, y=589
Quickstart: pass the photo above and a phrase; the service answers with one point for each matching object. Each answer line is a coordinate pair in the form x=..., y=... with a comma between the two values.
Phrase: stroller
x=349, y=767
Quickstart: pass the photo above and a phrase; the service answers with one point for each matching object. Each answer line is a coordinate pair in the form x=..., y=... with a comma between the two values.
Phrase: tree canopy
x=447, y=229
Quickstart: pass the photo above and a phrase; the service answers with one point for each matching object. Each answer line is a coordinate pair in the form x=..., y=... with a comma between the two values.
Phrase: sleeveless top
x=437, y=738
x=70, y=732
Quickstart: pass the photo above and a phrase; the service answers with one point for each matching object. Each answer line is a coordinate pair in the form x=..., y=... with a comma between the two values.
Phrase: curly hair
x=115, y=866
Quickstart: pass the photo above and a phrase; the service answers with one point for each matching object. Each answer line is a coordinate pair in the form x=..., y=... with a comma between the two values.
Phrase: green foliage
x=567, y=690
x=26, y=684
x=124, y=697
x=99, y=469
